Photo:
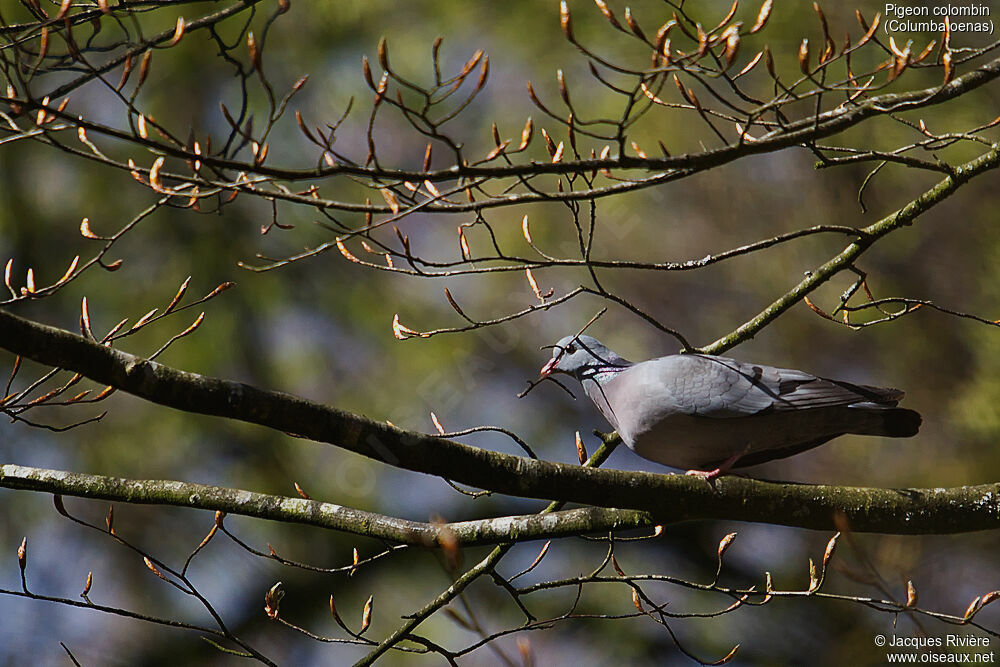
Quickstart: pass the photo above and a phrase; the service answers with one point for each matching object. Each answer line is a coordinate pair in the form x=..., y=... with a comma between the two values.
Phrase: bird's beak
x=549, y=367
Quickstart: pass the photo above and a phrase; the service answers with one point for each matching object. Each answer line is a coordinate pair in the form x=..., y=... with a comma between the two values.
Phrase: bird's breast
x=686, y=441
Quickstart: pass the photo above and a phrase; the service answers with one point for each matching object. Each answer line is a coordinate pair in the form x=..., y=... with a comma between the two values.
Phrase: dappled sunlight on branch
x=427, y=173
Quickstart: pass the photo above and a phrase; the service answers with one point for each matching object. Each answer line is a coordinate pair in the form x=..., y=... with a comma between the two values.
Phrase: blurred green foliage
x=321, y=329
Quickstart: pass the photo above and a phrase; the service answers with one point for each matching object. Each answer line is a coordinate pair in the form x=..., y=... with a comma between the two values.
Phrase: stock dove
x=708, y=414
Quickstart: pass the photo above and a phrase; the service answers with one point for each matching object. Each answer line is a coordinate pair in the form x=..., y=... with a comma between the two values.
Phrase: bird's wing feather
x=719, y=387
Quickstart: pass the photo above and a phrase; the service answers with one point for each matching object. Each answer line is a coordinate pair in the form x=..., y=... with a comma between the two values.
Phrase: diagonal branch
x=890, y=223
x=157, y=40
x=797, y=133
x=481, y=568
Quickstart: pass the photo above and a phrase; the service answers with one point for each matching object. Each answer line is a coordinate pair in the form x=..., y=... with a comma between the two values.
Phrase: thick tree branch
x=322, y=514
x=669, y=498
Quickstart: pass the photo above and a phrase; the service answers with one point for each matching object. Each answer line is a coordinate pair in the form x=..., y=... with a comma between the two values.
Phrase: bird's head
x=572, y=354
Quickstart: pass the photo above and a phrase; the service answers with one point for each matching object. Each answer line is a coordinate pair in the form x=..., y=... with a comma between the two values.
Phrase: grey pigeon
x=708, y=414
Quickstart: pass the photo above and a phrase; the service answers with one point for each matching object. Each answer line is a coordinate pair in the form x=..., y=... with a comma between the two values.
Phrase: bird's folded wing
x=720, y=387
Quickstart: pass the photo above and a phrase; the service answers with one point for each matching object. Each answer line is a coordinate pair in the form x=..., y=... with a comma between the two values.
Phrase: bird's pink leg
x=709, y=475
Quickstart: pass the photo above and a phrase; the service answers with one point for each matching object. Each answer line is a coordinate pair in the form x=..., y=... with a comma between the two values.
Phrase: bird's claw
x=710, y=475
x=707, y=475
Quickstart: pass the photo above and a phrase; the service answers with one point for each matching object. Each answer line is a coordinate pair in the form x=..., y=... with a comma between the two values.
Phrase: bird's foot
x=710, y=475
x=707, y=475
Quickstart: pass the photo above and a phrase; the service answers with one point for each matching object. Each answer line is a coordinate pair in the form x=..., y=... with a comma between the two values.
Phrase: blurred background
x=321, y=329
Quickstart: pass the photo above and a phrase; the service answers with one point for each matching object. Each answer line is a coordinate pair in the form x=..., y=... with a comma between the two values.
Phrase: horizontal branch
x=474, y=265
x=668, y=498
x=321, y=514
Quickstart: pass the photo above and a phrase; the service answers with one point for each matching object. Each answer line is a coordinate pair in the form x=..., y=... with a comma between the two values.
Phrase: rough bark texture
x=667, y=498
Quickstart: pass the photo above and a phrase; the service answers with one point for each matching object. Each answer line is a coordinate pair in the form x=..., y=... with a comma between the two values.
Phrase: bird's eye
x=570, y=349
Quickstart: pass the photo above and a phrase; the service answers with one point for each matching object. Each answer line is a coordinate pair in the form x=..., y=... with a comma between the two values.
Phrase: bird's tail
x=901, y=423
x=893, y=422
